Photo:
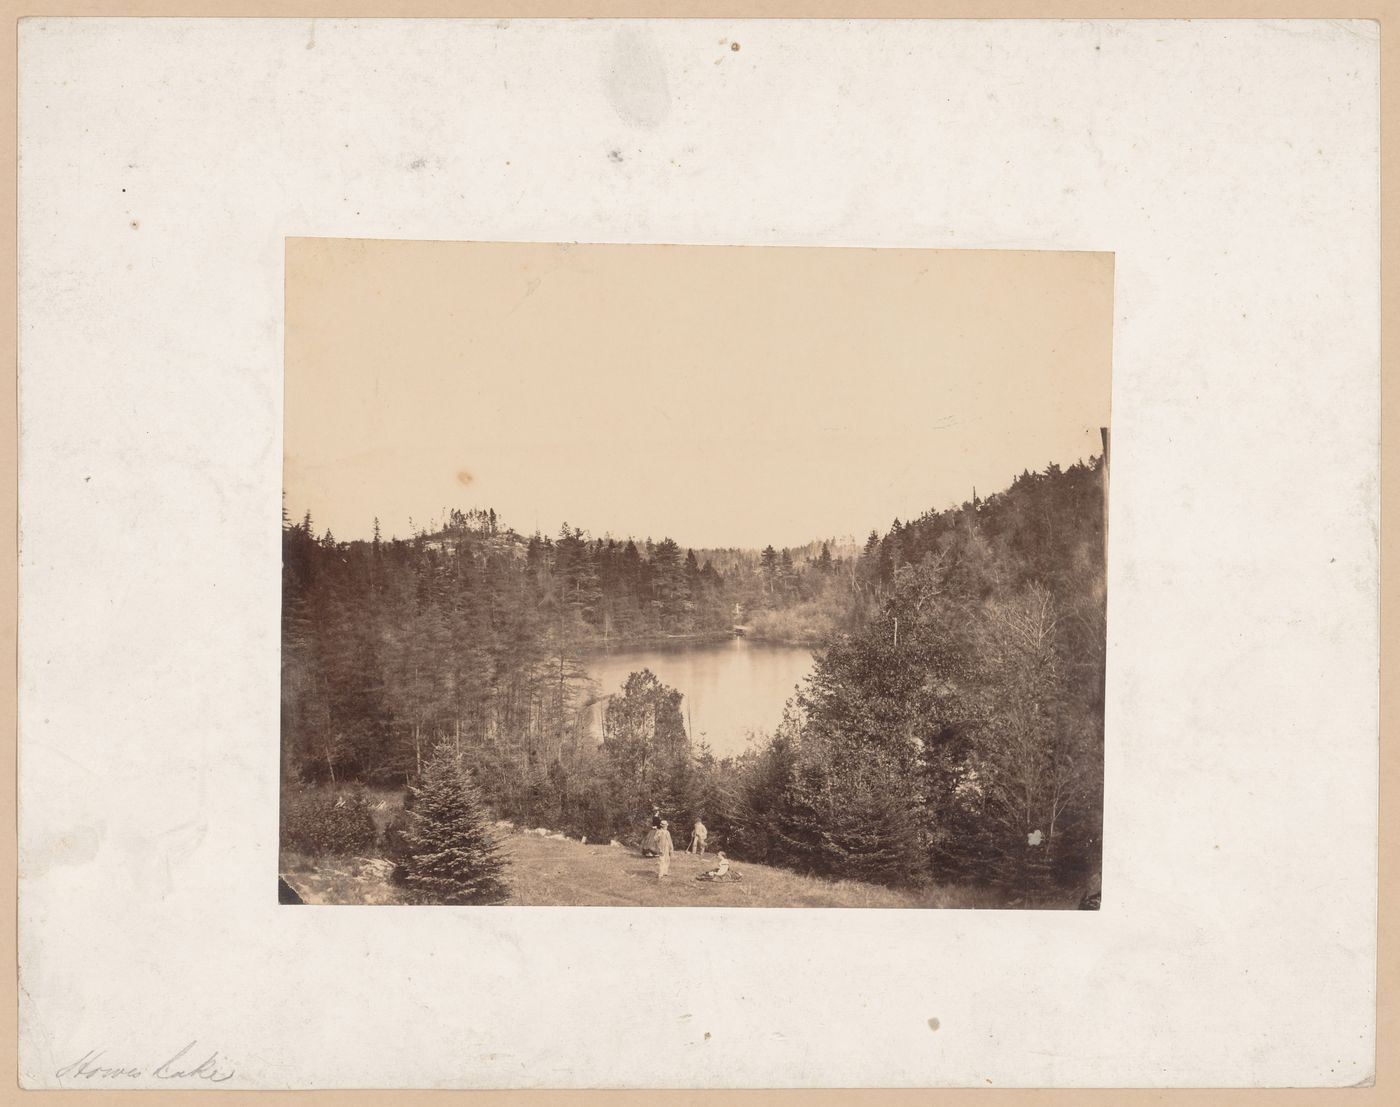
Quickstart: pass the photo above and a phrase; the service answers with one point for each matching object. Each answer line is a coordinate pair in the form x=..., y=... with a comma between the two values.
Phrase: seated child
x=720, y=872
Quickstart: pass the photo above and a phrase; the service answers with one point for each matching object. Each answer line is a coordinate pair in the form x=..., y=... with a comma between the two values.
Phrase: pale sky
x=724, y=396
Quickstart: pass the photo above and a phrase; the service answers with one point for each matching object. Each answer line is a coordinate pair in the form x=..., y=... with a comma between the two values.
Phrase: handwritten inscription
x=184, y=1065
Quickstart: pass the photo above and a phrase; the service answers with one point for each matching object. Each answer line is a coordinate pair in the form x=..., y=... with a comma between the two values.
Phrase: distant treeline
x=952, y=729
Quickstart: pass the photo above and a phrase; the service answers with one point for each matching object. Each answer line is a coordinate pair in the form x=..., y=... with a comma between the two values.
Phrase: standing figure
x=649, y=842
x=663, y=851
x=697, y=839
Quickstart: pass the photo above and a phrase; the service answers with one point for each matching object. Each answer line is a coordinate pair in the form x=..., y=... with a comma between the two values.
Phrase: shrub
x=318, y=822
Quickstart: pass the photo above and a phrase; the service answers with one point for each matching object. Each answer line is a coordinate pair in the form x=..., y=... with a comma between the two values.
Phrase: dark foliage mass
x=952, y=729
x=317, y=822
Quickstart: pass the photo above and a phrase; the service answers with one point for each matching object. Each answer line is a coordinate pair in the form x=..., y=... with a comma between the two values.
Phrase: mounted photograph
x=713, y=576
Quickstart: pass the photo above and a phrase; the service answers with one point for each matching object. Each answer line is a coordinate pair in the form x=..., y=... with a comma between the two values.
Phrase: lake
x=731, y=688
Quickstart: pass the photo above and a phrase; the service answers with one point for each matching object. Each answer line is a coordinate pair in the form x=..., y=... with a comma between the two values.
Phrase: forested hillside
x=958, y=733
x=952, y=730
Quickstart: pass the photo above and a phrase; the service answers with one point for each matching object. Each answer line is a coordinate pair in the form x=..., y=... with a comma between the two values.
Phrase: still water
x=731, y=688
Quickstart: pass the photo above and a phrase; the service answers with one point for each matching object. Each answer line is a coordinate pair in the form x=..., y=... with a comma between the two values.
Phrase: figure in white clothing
x=663, y=851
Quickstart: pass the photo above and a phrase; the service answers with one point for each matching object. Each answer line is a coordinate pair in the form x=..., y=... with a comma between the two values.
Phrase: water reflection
x=731, y=688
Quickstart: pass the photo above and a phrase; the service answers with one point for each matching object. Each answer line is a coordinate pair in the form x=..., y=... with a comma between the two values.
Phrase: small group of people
x=658, y=844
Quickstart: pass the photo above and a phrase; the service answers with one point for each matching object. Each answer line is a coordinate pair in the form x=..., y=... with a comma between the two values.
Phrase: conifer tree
x=453, y=858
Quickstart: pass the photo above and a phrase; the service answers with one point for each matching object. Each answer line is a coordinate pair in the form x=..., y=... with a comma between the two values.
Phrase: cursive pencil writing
x=94, y=1065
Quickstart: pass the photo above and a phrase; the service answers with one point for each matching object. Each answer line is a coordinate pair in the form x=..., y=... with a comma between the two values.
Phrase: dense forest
x=477, y=634
x=952, y=729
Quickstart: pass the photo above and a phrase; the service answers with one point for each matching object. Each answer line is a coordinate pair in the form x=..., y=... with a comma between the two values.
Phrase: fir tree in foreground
x=453, y=857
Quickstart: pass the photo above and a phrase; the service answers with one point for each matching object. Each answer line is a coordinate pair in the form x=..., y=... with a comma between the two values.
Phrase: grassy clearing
x=547, y=872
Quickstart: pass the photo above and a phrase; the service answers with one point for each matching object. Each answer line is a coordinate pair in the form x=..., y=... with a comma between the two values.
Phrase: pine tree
x=453, y=858
x=787, y=572
x=669, y=583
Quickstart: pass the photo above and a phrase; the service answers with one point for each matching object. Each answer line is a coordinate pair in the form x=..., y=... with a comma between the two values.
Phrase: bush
x=851, y=824
x=318, y=822
x=759, y=810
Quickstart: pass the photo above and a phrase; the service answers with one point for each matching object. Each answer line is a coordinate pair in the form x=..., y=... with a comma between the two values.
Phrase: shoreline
x=711, y=638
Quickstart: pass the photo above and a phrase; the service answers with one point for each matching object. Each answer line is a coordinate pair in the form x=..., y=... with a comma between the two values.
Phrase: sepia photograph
x=693, y=576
